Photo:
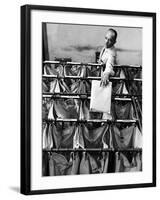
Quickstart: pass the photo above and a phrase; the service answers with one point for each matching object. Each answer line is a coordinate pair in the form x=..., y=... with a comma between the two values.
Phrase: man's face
x=109, y=39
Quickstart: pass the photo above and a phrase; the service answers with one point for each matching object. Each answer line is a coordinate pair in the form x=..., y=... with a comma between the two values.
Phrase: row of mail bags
x=72, y=135
x=66, y=163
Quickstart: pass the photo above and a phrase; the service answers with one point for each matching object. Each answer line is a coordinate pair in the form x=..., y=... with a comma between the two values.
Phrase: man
x=108, y=56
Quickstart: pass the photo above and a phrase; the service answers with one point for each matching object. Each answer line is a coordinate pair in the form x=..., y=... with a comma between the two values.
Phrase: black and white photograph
x=88, y=99
x=91, y=99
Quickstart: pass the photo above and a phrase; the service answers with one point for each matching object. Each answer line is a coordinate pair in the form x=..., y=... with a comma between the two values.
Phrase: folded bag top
x=100, y=97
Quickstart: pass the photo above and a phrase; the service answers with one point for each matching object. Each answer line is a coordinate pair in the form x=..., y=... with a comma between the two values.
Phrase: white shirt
x=108, y=57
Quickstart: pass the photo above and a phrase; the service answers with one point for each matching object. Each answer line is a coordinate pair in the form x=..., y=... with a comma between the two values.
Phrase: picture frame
x=33, y=18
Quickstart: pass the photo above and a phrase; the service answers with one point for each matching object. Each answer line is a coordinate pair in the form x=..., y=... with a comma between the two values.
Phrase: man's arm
x=108, y=70
x=109, y=65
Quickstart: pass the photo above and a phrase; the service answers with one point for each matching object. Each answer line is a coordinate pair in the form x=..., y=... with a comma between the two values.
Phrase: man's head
x=110, y=38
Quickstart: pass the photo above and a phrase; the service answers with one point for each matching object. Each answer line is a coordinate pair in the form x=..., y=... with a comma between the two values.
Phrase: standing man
x=108, y=56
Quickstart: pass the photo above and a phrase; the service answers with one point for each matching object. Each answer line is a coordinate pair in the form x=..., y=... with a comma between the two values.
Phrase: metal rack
x=121, y=97
x=91, y=121
x=93, y=150
x=89, y=78
x=89, y=64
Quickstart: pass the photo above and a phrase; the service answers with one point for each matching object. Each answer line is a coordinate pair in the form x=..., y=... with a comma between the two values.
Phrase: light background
x=10, y=100
x=80, y=42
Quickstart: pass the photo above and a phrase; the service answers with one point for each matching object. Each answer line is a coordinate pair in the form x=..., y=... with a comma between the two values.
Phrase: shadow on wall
x=15, y=189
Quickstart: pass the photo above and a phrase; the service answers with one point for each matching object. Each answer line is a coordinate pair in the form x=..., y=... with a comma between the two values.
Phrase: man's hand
x=104, y=79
